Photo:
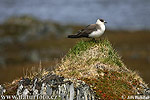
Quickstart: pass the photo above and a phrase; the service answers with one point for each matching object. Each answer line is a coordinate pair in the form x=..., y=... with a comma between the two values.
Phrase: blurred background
x=35, y=30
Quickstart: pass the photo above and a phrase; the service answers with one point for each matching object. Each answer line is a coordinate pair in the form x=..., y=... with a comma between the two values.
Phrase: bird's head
x=101, y=21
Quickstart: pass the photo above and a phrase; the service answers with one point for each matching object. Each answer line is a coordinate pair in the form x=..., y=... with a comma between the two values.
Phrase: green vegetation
x=105, y=53
x=81, y=46
x=99, y=65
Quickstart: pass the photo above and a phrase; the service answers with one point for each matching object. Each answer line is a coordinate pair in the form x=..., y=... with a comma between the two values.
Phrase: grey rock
x=56, y=87
x=25, y=92
x=19, y=90
x=2, y=90
x=71, y=91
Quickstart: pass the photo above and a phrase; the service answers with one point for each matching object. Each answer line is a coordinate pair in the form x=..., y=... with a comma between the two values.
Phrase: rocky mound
x=91, y=70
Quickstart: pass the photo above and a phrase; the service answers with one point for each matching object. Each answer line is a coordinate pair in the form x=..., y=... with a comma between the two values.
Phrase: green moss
x=80, y=46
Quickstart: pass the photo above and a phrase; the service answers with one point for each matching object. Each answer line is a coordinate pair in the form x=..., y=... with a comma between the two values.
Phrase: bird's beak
x=105, y=22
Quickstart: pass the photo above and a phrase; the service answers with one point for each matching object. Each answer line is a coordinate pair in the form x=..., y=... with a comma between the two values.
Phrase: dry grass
x=35, y=72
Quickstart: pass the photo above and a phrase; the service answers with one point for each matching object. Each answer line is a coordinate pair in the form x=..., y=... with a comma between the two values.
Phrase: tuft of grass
x=104, y=48
x=36, y=72
x=40, y=73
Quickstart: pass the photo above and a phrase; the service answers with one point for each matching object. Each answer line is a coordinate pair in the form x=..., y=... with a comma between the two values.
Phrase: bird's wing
x=87, y=30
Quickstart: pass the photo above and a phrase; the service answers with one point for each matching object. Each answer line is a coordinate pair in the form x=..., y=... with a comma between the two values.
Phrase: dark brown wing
x=87, y=30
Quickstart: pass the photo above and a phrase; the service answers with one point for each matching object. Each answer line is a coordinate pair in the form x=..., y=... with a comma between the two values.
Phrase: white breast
x=97, y=33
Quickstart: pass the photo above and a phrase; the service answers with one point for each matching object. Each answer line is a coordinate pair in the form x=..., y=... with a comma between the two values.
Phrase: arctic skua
x=91, y=31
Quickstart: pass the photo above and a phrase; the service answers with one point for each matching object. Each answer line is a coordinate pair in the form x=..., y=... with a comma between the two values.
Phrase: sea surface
x=120, y=14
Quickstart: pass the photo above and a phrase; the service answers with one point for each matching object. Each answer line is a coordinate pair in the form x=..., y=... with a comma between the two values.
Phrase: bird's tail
x=73, y=36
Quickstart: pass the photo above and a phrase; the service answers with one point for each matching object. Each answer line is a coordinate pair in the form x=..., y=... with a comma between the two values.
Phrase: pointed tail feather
x=73, y=36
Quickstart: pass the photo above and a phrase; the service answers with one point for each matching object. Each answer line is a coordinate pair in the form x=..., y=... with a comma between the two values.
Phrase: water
x=120, y=14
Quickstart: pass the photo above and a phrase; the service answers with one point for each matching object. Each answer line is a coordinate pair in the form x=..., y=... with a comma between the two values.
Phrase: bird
x=91, y=31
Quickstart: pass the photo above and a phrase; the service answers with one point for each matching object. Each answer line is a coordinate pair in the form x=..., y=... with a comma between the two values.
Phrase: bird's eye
x=101, y=20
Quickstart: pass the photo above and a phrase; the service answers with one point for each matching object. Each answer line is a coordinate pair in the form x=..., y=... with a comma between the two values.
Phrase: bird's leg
x=100, y=39
x=93, y=39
